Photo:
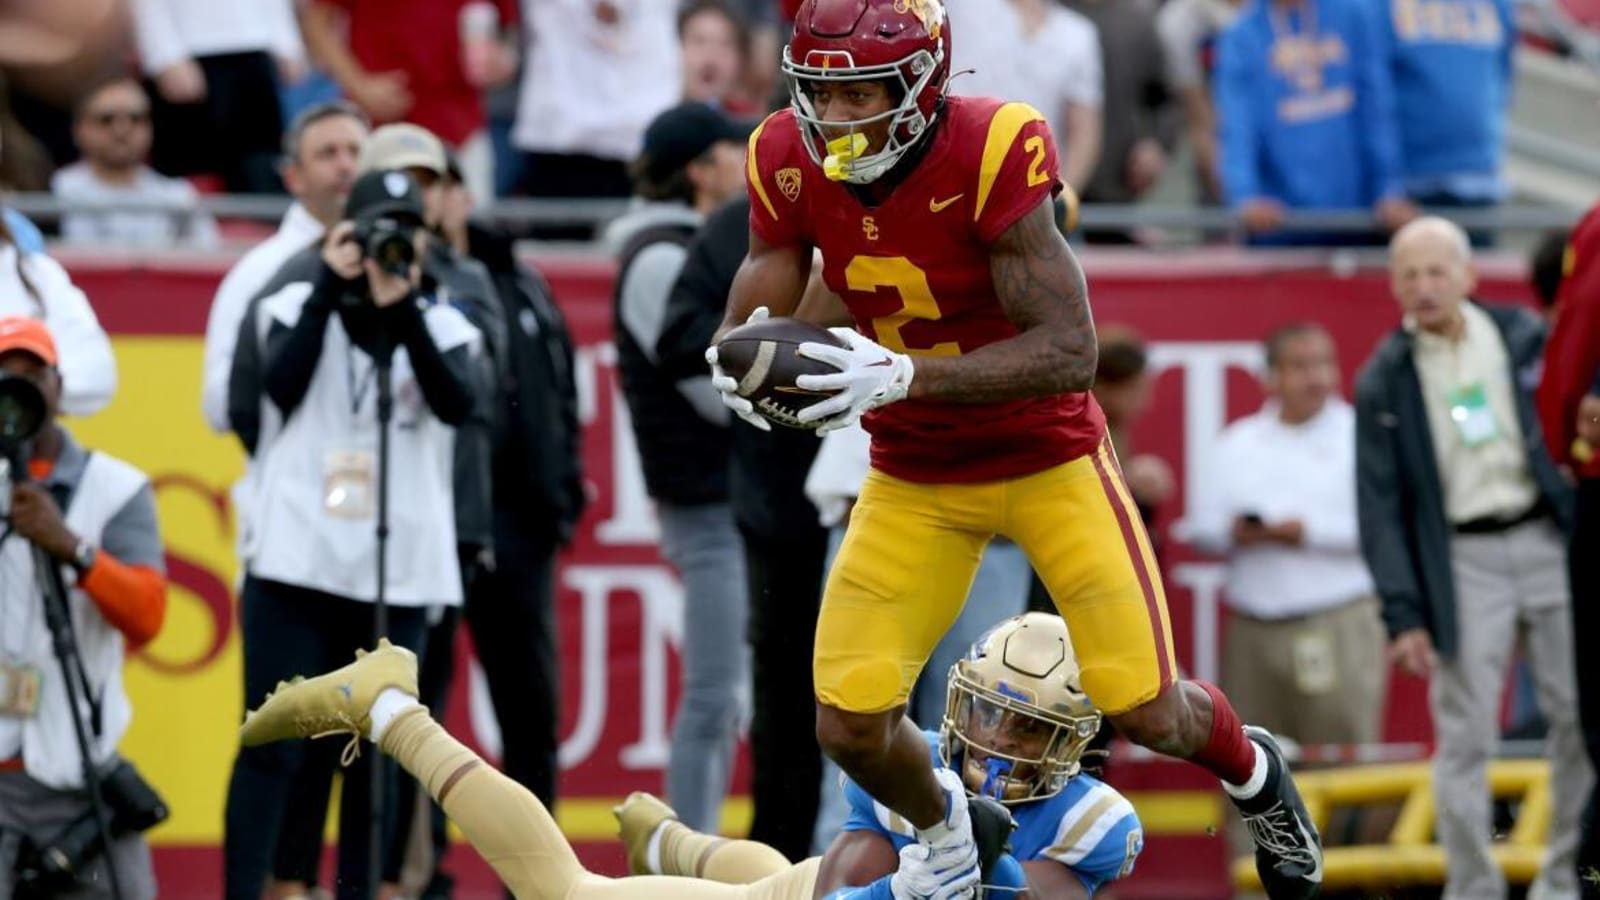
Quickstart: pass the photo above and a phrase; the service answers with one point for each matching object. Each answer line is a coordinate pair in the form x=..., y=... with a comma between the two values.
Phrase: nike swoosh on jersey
x=938, y=205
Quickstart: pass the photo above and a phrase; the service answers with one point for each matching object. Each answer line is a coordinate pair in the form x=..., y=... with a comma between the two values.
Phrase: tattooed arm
x=1042, y=290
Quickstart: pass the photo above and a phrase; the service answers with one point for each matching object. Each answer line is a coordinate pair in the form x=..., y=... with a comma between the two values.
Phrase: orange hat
x=28, y=335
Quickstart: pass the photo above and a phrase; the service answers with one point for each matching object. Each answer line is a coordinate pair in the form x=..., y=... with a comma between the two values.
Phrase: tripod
x=382, y=363
x=47, y=573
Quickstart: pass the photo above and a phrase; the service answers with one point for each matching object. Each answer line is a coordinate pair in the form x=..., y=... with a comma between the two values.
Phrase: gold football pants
x=515, y=834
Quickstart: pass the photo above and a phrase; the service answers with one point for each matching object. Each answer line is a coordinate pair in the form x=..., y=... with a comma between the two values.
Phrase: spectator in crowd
x=1569, y=410
x=714, y=44
x=1189, y=31
x=419, y=61
x=320, y=154
x=693, y=162
x=1306, y=114
x=112, y=130
x=311, y=571
x=1450, y=62
x=539, y=496
x=1139, y=129
x=95, y=516
x=598, y=72
x=214, y=67
x=34, y=285
x=1462, y=513
x=1303, y=653
x=784, y=549
x=1043, y=54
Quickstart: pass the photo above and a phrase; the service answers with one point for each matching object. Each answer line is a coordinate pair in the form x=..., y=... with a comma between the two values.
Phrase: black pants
x=291, y=631
x=1584, y=567
x=235, y=132
x=785, y=594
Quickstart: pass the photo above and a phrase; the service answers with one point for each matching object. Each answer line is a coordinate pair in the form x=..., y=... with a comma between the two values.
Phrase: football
x=764, y=357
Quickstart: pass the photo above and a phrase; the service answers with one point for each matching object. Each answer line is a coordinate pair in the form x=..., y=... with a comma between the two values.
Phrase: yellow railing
x=1410, y=856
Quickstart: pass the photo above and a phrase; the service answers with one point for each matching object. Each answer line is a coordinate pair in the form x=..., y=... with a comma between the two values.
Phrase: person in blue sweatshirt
x=1306, y=117
x=1450, y=63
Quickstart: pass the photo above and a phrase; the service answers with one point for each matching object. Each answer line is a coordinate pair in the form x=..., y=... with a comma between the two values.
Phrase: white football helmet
x=1016, y=713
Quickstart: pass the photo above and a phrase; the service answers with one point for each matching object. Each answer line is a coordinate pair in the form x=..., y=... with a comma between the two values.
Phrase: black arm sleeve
x=244, y=382
x=292, y=360
x=445, y=378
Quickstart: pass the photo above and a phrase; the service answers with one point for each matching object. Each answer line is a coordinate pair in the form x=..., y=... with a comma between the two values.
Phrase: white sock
x=652, y=847
x=391, y=702
x=1258, y=777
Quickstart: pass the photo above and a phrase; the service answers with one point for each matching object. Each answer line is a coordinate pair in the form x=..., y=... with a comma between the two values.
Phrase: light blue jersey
x=1087, y=827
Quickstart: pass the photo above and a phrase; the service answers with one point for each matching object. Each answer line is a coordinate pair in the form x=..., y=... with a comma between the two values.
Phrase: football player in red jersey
x=972, y=353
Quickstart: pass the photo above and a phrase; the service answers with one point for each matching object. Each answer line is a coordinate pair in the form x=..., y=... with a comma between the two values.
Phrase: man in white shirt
x=1043, y=54
x=1304, y=648
x=321, y=154
x=112, y=130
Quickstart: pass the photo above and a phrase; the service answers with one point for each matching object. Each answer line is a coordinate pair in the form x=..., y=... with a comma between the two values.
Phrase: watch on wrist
x=83, y=556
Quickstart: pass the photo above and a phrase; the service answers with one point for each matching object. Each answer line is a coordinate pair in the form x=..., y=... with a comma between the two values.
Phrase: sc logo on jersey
x=869, y=228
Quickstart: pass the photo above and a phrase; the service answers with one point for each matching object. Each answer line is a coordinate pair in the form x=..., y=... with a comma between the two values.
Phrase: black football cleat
x=1288, y=848
x=991, y=831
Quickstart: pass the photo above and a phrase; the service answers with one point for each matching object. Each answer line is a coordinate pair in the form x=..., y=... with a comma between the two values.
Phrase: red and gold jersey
x=914, y=272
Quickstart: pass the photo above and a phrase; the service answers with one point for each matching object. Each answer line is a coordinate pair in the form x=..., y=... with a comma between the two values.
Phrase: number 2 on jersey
x=866, y=274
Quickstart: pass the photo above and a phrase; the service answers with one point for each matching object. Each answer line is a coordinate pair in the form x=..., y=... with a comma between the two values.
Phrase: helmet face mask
x=1015, y=713
x=903, y=43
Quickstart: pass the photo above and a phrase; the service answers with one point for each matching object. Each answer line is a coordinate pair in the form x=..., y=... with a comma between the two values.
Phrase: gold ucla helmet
x=1016, y=713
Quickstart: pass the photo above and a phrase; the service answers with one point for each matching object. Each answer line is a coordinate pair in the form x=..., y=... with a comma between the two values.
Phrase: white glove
x=728, y=388
x=918, y=879
x=869, y=376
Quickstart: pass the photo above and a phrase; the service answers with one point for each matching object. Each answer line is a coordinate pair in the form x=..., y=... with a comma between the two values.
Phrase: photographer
x=311, y=580
x=95, y=516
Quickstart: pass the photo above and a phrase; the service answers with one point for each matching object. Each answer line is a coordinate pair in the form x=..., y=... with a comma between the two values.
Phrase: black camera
x=50, y=867
x=389, y=242
x=22, y=414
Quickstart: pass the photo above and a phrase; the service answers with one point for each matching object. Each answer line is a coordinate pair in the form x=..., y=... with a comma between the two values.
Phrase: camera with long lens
x=389, y=242
x=58, y=864
x=22, y=414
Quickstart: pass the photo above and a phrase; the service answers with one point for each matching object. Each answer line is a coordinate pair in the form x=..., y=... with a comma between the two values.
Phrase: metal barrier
x=1409, y=856
x=1195, y=220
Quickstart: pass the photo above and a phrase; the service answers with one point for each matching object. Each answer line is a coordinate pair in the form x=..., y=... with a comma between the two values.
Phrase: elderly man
x=1462, y=515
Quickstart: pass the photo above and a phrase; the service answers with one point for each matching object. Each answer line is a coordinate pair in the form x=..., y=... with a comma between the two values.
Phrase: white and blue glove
x=728, y=388
x=869, y=376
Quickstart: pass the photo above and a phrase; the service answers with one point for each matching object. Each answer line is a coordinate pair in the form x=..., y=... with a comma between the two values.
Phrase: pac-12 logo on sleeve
x=789, y=183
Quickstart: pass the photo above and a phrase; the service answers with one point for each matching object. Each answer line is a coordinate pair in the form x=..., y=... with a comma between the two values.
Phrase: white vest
x=293, y=539
x=49, y=746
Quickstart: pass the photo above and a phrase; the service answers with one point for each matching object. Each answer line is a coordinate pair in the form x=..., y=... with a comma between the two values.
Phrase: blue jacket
x=23, y=232
x=1305, y=106
x=1450, y=61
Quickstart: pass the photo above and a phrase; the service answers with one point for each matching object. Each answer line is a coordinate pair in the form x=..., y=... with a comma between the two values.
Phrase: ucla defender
x=1016, y=726
x=971, y=353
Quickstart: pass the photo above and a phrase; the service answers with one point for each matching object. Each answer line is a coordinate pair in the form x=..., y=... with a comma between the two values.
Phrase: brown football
x=764, y=357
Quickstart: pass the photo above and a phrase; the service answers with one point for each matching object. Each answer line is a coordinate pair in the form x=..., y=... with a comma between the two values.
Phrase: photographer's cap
x=680, y=135
x=27, y=335
x=384, y=193
x=403, y=146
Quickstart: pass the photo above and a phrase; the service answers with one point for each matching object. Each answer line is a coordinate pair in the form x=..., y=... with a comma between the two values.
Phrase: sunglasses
x=112, y=117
